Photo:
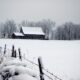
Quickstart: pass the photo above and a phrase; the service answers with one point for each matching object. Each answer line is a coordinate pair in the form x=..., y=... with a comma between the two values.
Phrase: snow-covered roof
x=33, y=30
x=18, y=34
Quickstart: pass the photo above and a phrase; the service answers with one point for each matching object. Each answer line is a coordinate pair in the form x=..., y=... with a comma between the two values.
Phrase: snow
x=22, y=77
x=0, y=77
x=60, y=57
x=33, y=30
x=15, y=65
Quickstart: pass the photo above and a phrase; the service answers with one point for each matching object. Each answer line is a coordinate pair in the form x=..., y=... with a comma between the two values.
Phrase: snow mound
x=17, y=69
x=22, y=77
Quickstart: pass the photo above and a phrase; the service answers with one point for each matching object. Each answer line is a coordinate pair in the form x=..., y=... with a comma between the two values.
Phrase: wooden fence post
x=12, y=51
x=40, y=69
x=20, y=57
x=5, y=49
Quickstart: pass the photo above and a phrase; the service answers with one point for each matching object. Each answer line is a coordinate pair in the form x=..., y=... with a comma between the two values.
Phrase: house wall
x=28, y=36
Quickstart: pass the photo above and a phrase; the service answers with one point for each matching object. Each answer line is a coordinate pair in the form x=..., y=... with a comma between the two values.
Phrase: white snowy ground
x=60, y=57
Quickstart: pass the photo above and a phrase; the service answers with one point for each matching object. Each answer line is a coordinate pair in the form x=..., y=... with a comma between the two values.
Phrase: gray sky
x=59, y=11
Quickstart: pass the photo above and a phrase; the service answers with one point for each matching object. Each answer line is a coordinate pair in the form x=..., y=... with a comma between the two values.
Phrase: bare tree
x=1, y=30
x=8, y=28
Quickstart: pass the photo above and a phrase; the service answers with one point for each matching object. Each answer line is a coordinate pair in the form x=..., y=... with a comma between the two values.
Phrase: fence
x=46, y=73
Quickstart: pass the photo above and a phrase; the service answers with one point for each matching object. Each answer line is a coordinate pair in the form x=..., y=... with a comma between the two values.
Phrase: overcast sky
x=59, y=11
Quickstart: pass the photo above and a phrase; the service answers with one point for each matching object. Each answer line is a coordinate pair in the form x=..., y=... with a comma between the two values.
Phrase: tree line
x=67, y=31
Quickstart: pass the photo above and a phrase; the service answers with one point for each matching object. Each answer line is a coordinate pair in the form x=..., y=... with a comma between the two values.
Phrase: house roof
x=18, y=34
x=33, y=30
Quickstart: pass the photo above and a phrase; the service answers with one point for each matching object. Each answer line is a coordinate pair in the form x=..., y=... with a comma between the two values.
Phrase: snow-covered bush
x=14, y=68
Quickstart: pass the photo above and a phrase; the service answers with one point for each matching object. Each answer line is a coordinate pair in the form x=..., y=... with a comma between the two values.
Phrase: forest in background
x=66, y=31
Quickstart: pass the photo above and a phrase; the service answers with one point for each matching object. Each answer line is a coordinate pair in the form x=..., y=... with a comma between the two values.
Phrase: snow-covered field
x=60, y=57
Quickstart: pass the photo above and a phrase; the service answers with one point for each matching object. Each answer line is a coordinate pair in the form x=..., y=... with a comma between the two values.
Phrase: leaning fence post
x=5, y=49
x=40, y=68
x=12, y=51
x=20, y=57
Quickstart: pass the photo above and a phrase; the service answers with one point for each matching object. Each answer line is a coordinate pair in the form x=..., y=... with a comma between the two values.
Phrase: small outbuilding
x=17, y=35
